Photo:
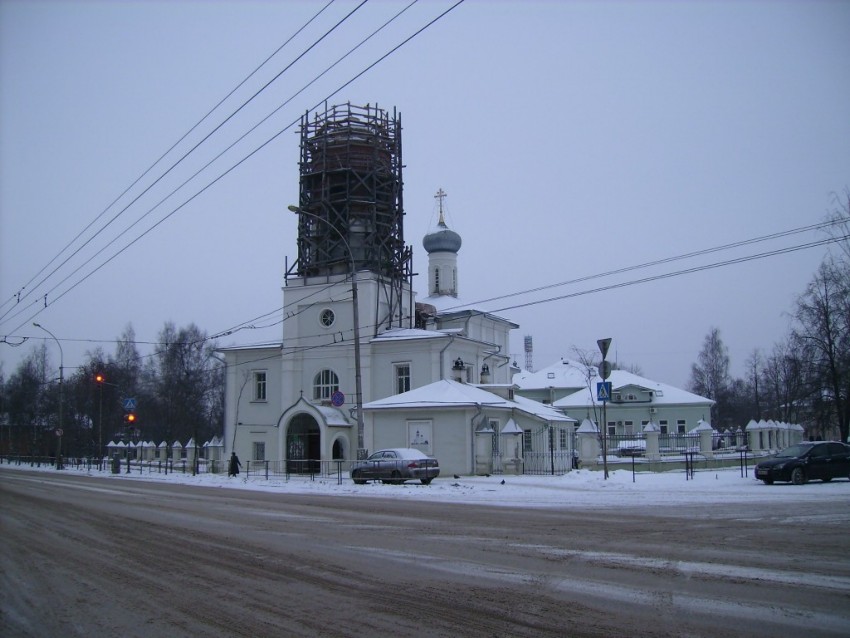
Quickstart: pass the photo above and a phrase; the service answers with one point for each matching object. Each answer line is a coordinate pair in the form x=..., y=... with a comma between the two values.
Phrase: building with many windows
x=635, y=401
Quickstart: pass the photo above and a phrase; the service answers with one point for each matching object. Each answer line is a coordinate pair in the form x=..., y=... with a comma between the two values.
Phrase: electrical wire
x=219, y=177
x=157, y=161
x=183, y=157
x=685, y=271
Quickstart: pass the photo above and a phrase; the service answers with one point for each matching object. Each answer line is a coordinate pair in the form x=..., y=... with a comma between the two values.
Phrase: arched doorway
x=303, y=445
x=340, y=447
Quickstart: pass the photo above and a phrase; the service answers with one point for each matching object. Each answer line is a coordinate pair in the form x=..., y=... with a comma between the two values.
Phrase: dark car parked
x=824, y=460
x=396, y=466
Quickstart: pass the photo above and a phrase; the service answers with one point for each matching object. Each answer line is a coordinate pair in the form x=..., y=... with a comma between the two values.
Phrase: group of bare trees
x=178, y=392
x=805, y=378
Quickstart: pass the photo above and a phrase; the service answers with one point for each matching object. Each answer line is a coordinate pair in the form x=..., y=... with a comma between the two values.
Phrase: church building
x=362, y=365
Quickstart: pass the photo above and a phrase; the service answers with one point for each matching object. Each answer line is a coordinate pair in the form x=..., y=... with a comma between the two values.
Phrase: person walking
x=233, y=470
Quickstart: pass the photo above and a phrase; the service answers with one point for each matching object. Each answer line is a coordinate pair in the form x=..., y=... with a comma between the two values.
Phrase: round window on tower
x=327, y=317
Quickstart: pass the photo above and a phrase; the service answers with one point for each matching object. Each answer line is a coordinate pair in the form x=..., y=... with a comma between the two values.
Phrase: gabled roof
x=564, y=374
x=329, y=414
x=568, y=374
x=448, y=306
x=404, y=334
x=275, y=345
x=453, y=394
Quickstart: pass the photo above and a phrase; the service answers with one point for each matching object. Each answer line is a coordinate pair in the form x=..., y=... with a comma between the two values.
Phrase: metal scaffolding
x=351, y=190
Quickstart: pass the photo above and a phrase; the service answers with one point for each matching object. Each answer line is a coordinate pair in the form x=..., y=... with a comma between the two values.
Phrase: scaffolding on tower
x=351, y=187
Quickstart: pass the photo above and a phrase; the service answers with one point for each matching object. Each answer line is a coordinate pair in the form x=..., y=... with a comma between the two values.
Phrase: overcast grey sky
x=572, y=138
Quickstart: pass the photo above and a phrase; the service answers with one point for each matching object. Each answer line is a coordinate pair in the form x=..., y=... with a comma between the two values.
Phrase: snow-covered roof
x=543, y=411
x=563, y=374
x=276, y=345
x=405, y=334
x=570, y=374
x=333, y=416
x=447, y=305
x=447, y=393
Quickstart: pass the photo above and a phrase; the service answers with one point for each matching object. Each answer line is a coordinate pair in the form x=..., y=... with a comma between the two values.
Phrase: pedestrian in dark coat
x=233, y=470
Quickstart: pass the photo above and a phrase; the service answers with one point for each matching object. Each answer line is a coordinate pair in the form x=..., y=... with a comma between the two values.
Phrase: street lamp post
x=358, y=387
x=100, y=379
x=59, y=432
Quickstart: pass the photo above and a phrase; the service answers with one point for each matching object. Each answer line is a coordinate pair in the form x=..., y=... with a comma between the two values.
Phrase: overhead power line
x=684, y=271
x=179, y=161
x=16, y=297
x=216, y=179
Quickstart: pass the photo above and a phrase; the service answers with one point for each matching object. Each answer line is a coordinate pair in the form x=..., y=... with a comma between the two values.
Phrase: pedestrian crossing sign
x=603, y=391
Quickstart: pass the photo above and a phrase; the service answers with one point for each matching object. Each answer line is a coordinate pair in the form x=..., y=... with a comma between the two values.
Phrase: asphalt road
x=84, y=556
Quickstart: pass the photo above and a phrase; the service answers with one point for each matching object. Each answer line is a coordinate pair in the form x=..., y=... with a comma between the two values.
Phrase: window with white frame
x=612, y=428
x=402, y=377
x=526, y=441
x=680, y=426
x=325, y=383
x=258, y=451
x=630, y=427
x=259, y=385
x=562, y=439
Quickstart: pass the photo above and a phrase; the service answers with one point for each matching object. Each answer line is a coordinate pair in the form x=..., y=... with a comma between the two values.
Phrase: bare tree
x=785, y=381
x=823, y=328
x=840, y=218
x=754, y=368
x=710, y=375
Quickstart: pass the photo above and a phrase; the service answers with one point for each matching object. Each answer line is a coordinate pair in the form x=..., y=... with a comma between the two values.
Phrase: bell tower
x=351, y=216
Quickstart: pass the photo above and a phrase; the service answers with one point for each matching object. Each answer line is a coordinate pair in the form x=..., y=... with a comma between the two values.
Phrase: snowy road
x=84, y=556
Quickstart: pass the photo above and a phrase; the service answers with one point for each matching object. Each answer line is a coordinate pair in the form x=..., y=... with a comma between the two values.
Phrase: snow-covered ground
x=580, y=488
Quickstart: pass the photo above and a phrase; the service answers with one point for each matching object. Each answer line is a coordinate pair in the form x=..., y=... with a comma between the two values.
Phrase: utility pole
x=604, y=372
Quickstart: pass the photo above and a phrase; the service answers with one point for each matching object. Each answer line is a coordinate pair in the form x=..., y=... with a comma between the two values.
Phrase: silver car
x=396, y=465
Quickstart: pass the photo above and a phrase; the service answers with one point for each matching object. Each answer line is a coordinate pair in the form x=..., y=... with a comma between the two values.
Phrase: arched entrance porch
x=303, y=445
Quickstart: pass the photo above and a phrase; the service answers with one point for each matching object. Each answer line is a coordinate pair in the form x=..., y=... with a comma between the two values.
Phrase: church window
x=402, y=377
x=258, y=451
x=436, y=281
x=325, y=384
x=259, y=385
x=327, y=317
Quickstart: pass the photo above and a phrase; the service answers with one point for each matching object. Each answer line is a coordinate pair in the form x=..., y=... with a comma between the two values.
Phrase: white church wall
x=447, y=433
x=242, y=403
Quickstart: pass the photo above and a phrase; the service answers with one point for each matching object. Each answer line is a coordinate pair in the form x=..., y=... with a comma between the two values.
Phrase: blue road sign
x=603, y=391
x=129, y=403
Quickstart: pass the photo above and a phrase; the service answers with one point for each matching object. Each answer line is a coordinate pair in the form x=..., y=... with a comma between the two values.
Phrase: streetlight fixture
x=59, y=431
x=358, y=387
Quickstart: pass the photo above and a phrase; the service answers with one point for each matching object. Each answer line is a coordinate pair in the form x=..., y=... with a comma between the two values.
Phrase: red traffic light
x=131, y=418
